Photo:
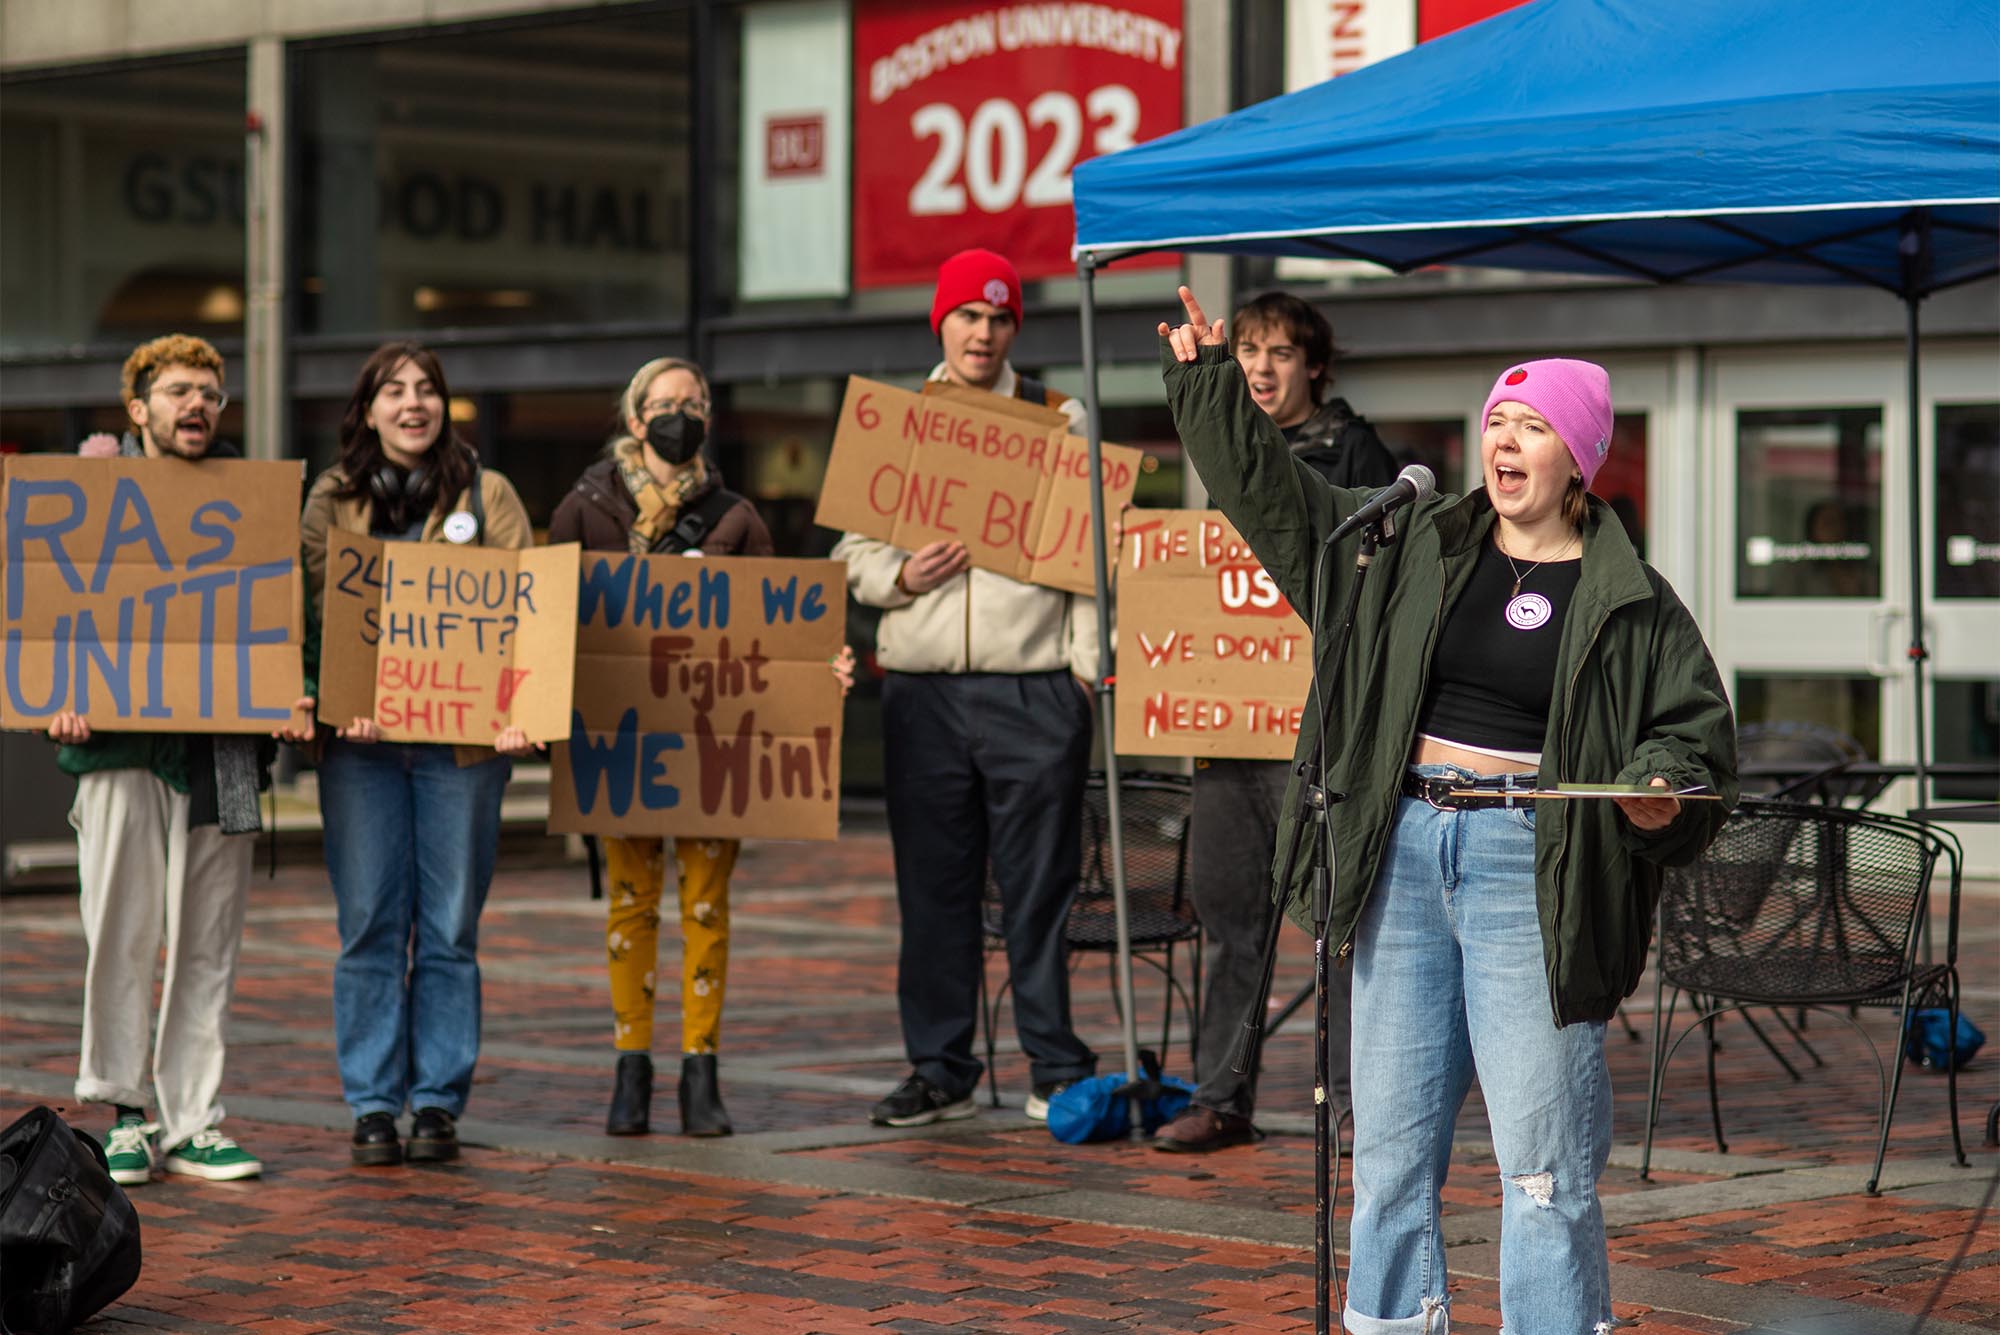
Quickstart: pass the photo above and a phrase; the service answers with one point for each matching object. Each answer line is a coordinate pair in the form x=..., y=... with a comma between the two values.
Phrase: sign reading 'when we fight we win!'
x=150, y=595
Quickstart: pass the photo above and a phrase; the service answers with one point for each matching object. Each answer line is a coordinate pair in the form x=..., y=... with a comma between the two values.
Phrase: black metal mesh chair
x=1155, y=809
x=1813, y=906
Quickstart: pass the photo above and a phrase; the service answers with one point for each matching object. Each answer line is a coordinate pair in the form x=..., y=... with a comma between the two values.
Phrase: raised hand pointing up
x=1198, y=333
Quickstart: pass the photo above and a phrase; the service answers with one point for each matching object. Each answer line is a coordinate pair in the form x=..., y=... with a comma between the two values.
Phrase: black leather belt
x=1438, y=790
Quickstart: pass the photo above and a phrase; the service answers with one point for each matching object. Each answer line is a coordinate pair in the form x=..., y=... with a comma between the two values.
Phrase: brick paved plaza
x=810, y=1220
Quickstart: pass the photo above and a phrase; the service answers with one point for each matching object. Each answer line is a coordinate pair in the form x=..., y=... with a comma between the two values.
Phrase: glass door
x=1807, y=568
x=1809, y=563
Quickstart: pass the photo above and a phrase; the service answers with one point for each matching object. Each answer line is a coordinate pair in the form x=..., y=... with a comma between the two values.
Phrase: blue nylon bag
x=1929, y=1042
x=1096, y=1109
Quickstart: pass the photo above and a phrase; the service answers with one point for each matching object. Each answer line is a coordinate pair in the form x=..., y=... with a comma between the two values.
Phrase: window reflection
x=1851, y=705
x=1967, y=730
x=1808, y=503
x=121, y=200
x=523, y=175
x=1968, y=500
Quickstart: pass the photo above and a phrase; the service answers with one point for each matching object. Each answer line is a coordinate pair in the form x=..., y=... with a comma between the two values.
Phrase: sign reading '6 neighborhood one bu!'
x=1002, y=476
x=705, y=702
x=439, y=643
x=150, y=595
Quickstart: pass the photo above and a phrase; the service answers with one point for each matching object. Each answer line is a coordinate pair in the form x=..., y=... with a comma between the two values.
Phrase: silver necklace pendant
x=1529, y=611
x=1526, y=611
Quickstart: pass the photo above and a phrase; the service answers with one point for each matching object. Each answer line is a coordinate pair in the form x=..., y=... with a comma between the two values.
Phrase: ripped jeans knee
x=1540, y=1187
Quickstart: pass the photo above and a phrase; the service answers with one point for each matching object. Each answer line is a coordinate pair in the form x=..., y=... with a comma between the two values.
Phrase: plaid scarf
x=659, y=507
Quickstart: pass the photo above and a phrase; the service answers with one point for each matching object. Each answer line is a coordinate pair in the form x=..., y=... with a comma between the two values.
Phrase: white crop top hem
x=1533, y=758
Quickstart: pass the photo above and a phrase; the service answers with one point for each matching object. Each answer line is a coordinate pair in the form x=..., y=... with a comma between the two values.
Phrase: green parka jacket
x=1636, y=693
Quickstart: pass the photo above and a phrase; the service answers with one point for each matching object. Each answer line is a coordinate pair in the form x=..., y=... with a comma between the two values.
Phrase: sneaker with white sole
x=212, y=1155
x=918, y=1102
x=1037, y=1106
x=129, y=1152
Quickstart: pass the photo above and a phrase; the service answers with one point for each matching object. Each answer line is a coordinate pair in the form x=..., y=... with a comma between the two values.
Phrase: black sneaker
x=1037, y=1106
x=918, y=1102
x=433, y=1136
x=375, y=1141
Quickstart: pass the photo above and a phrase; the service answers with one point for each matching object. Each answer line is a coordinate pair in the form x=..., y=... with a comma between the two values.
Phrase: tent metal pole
x=1086, y=271
x=1916, y=258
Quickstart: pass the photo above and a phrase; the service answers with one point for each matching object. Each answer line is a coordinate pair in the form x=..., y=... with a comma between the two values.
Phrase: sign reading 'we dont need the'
x=150, y=595
x=1212, y=660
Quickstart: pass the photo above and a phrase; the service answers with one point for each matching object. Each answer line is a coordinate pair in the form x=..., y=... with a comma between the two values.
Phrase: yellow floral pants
x=637, y=870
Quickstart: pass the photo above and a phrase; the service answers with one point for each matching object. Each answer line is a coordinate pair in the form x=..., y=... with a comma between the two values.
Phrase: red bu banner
x=969, y=117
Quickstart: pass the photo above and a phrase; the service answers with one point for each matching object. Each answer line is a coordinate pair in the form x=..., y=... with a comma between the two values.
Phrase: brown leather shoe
x=1199, y=1130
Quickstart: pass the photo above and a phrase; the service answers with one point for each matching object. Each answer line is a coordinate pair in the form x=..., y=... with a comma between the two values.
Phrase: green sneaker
x=128, y=1151
x=212, y=1155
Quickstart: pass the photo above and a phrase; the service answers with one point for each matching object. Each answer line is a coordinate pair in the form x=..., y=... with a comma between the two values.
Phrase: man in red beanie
x=986, y=733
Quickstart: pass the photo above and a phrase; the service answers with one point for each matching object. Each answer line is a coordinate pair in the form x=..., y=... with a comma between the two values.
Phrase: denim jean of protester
x=1448, y=982
x=410, y=842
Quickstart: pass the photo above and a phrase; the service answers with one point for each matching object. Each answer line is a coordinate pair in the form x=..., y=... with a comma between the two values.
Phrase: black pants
x=1233, y=842
x=985, y=765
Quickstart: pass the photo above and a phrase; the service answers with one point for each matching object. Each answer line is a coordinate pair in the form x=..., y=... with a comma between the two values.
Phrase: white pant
x=142, y=868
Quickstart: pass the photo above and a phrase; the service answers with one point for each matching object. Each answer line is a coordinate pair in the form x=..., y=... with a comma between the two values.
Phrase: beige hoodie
x=977, y=621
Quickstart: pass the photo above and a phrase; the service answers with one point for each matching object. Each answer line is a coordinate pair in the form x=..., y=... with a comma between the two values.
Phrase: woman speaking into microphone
x=1510, y=640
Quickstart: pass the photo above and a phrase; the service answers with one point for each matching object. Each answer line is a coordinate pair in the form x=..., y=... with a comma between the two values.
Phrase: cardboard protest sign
x=150, y=595
x=1212, y=661
x=441, y=643
x=1001, y=475
x=705, y=703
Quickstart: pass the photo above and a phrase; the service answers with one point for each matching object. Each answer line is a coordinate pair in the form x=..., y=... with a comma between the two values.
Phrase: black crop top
x=1494, y=668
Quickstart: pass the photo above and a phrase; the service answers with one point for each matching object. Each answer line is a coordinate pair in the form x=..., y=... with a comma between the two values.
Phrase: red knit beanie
x=975, y=275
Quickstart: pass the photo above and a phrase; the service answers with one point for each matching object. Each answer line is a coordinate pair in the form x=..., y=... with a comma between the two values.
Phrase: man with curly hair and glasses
x=165, y=824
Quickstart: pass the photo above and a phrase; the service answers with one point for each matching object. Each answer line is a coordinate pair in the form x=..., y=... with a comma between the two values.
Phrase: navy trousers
x=984, y=766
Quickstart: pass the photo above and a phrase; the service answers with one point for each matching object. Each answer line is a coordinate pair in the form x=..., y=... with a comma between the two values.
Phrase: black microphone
x=1415, y=483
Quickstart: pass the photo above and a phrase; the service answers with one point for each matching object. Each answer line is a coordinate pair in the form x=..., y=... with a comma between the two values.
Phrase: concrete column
x=1209, y=29
x=267, y=410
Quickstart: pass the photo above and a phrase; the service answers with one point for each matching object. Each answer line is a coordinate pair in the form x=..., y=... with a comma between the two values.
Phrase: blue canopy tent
x=1786, y=141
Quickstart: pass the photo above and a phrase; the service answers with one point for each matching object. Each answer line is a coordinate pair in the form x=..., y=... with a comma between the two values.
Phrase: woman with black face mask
x=654, y=492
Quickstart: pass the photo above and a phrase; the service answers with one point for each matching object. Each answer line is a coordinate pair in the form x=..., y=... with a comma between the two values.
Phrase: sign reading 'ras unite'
x=706, y=705
x=150, y=595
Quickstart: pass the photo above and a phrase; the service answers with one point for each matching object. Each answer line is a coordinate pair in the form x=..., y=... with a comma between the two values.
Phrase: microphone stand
x=1312, y=811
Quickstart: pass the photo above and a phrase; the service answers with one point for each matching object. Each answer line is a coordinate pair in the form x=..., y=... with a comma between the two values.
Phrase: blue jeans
x=410, y=842
x=1448, y=980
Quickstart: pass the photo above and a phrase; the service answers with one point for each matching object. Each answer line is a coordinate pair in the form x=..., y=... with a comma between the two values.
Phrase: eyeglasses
x=661, y=407
x=180, y=389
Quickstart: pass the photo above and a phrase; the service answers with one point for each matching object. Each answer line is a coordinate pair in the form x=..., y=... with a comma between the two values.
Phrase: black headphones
x=403, y=492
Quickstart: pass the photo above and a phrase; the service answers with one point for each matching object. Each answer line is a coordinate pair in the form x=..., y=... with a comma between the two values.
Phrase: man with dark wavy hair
x=165, y=825
x=1286, y=349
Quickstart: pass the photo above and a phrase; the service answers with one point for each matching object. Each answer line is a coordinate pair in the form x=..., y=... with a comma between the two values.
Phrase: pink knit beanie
x=1573, y=397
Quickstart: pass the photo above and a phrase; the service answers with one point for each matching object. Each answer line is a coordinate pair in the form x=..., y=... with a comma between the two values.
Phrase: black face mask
x=676, y=437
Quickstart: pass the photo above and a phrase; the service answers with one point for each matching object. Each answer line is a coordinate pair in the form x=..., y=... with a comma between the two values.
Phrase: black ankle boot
x=632, y=1096
x=701, y=1097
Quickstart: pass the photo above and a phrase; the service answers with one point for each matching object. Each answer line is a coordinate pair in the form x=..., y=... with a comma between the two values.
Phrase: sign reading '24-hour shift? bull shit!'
x=150, y=595
x=439, y=643
x=706, y=704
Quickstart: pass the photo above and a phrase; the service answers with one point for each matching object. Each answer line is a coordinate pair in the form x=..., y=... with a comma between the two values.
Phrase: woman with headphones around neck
x=654, y=493
x=411, y=830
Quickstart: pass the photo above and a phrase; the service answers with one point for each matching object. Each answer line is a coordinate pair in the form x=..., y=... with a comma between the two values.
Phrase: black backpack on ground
x=69, y=1237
